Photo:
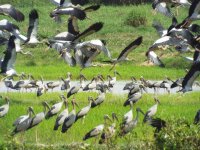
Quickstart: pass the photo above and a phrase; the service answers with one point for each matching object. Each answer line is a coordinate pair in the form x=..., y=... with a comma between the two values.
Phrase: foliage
x=179, y=134
x=136, y=18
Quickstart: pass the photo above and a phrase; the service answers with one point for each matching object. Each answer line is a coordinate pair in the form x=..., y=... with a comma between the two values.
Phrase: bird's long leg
x=36, y=136
x=83, y=119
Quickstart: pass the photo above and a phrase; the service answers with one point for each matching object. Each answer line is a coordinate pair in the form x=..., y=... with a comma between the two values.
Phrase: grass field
x=115, y=31
x=172, y=108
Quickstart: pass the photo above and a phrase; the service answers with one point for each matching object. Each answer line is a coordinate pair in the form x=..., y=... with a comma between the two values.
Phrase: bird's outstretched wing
x=11, y=11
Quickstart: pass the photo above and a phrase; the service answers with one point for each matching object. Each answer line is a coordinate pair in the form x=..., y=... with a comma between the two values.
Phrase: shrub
x=179, y=134
x=136, y=19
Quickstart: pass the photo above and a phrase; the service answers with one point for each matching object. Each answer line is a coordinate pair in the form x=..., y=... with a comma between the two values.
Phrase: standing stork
x=71, y=118
x=55, y=108
x=97, y=130
x=61, y=117
x=84, y=111
x=109, y=132
x=4, y=108
x=128, y=127
x=151, y=111
x=22, y=124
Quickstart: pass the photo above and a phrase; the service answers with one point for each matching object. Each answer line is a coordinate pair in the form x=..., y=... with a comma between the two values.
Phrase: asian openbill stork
x=22, y=124
x=151, y=111
x=70, y=119
x=61, y=117
x=55, y=108
x=97, y=130
x=84, y=111
x=109, y=131
x=124, y=53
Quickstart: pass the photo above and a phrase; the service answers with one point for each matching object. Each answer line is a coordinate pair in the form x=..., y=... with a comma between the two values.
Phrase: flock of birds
x=108, y=129
x=75, y=51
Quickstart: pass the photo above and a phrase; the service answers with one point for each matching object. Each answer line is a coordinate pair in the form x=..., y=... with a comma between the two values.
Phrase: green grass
x=172, y=107
x=115, y=31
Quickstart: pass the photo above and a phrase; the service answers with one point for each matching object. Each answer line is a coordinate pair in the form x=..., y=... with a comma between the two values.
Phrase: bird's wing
x=155, y=59
x=159, y=28
x=91, y=8
x=33, y=25
x=8, y=9
x=92, y=29
x=73, y=25
x=191, y=76
x=129, y=48
x=194, y=8
x=164, y=9
x=10, y=56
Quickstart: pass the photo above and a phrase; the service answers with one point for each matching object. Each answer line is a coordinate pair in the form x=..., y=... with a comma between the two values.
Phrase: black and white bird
x=23, y=117
x=4, y=108
x=129, y=126
x=190, y=77
x=77, y=12
x=109, y=131
x=97, y=130
x=161, y=7
x=124, y=53
x=61, y=117
x=38, y=118
x=153, y=57
x=23, y=122
x=11, y=11
x=55, y=108
x=151, y=111
x=84, y=111
x=70, y=119
x=7, y=65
